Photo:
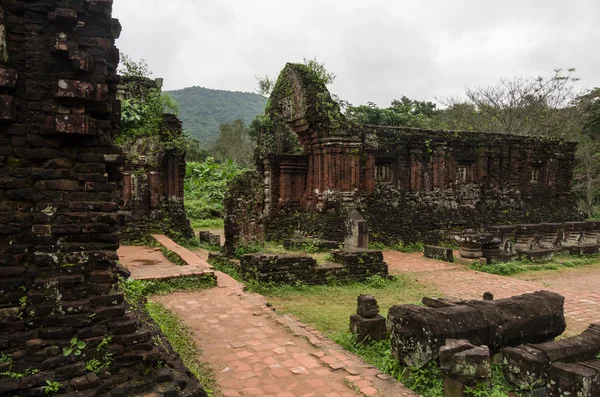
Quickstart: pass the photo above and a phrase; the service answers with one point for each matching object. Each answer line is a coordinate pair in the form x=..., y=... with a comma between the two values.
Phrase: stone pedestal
x=551, y=234
x=506, y=234
x=573, y=233
x=367, y=324
x=490, y=249
x=526, y=237
x=591, y=233
x=470, y=245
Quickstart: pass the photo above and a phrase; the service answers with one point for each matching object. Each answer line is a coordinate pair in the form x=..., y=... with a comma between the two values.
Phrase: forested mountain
x=203, y=110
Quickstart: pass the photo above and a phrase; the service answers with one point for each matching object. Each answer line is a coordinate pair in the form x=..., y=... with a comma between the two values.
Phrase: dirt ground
x=581, y=279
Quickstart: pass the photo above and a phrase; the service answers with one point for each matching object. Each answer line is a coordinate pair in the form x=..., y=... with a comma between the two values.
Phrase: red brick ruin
x=314, y=167
x=152, y=193
x=59, y=176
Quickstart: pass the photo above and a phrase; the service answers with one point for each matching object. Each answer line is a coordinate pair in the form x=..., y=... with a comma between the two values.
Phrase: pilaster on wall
x=59, y=173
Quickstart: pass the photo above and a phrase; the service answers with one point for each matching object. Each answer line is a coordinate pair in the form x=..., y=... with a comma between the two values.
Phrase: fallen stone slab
x=439, y=253
x=527, y=365
x=417, y=333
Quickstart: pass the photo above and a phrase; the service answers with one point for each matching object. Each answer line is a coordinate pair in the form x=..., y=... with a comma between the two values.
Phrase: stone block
x=527, y=365
x=368, y=329
x=580, y=379
x=8, y=77
x=537, y=255
x=8, y=109
x=506, y=234
x=584, y=249
x=473, y=363
x=440, y=253
x=367, y=306
x=452, y=347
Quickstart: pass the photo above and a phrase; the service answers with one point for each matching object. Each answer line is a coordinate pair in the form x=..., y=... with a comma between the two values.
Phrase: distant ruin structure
x=153, y=176
x=60, y=301
x=314, y=167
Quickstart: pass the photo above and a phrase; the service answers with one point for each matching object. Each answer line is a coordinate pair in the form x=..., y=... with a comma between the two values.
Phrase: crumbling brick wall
x=59, y=174
x=153, y=175
x=409, y=184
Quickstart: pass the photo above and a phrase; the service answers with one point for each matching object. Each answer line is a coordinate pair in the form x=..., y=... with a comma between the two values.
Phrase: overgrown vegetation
x=143, y=106
x=205, y=186
x=521, y=266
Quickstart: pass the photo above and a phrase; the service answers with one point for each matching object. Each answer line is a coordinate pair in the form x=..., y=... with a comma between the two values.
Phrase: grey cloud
x=380, y=49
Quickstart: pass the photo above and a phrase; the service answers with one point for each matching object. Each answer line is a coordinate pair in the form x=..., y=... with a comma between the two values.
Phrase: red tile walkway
x=256, y=352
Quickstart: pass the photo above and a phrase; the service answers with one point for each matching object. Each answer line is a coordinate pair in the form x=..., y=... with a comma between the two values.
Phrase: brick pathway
x=581, y=308
x=253, y=350
x=147, y=263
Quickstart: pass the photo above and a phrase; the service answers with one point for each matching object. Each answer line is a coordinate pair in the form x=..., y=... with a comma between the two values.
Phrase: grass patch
x=171, y=256
x=521, y=266
x=213, y=223
x=426, y=381
x=180, y=338
x=328, y=307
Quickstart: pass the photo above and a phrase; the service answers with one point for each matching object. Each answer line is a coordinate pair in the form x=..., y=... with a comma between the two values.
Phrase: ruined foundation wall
x=431, y=182
x=244, y=221
x=59, y=174
x=409, y=184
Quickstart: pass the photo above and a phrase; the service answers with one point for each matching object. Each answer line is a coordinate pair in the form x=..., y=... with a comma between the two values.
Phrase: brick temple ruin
x=59, y=176
x=152, y=193
x=313, y=167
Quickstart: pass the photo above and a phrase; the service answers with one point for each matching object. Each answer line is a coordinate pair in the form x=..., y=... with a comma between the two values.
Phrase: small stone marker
x=488, y=296
x=367, y=324
x=358, y=236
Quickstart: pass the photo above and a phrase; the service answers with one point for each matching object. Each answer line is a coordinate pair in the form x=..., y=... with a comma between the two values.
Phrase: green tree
x=234, y=144
x=404, y=112
x=143, y=106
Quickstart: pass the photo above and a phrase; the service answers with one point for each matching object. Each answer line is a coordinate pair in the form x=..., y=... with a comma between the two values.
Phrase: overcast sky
x=379, y=49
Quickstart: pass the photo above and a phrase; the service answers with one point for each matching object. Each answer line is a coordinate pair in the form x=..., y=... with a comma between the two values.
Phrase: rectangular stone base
x=490, y=260
x=583, y=250
x=440, y=253
x=540, y=254
x=368, y=329
x=575, y=379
